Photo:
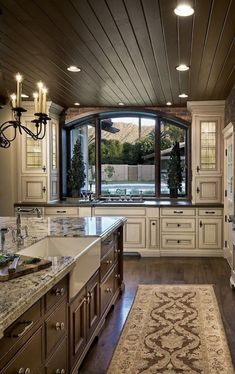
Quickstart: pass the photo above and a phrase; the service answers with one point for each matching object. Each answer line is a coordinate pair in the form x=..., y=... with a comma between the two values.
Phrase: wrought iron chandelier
x=40, y=120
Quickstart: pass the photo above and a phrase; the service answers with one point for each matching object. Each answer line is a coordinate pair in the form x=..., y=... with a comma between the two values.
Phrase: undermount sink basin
x=85, y=251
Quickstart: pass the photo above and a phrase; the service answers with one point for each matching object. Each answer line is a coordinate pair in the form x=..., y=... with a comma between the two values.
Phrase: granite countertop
x=137, y=203
x=17, y=295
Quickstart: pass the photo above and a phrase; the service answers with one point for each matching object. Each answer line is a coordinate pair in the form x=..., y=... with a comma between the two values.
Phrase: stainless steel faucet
x=17, y=233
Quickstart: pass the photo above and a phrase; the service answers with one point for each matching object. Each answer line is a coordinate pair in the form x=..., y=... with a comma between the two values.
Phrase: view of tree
x=76, y=173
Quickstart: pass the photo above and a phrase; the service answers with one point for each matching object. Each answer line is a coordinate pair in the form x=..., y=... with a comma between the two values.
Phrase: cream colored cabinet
x=228, y=191
x=134, y=233
x=207, y=155
x=38, y=160
x=153, y=233
x=210, y=233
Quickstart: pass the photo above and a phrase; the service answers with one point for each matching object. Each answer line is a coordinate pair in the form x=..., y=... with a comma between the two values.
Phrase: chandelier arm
x=44, y=132
x=3, y=129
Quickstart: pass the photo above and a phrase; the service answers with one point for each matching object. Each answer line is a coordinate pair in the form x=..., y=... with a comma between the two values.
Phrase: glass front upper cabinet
x=208, y=141
x=33, y=153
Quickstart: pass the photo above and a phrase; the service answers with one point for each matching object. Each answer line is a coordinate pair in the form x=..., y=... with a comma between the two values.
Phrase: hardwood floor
x=162, y=271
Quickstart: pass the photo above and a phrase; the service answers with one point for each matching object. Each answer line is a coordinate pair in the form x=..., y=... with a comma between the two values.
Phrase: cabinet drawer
x=174, y=224
x=58, y=362
x=29, y=357
x=106, y=292
x=55, y=327
x=18, y=333
x=178, y=212
x=178, y=241
x=55, y=294
x=61, y=211
x=210, y=212
x=108, y=243
x=106, y=264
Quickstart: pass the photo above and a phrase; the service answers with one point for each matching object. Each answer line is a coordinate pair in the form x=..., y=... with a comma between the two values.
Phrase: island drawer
x=58, y=362
x=19, y=332
x=108, y=243
x=107, y=263
x=180, y=224
x=106, y=292
x=178, y=212
x=61, y=211
x=56, y=293
x=55, y=327
x=29, y=357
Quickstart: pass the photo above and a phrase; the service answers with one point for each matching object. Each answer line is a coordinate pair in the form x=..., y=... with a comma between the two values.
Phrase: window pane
x=33, y=150
x=128, y=156
x=173, y=156
x=82, y=162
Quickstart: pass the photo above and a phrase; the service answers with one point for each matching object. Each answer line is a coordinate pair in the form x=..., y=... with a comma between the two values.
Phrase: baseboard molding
x=176, y=253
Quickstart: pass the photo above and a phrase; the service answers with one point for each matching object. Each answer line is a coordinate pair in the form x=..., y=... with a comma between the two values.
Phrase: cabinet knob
x=109, y=262
x=117, y=251
x=21, y=371
x=44, y=168
x=60, y=371
x=178, y=224
x=200, y=224
x=198, y=169
x=108, y=289
x=27, y=371
x=117, y=275
x=44, y=189
x=198, y=189
x=58, y=291
x=153, y=224
x=59, y=326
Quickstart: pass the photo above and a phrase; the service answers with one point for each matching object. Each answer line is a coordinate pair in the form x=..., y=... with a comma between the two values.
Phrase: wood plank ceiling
x=127, y=50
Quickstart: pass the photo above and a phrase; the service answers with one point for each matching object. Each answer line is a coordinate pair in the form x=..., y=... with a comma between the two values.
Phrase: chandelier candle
x=13, y=100
x=18, y=90
x=35, y=95
x=40, y=87
x=44, y=100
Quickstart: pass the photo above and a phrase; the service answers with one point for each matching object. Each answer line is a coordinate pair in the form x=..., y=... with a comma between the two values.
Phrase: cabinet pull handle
x=178, y=211
x=58, y=291
x=198, y=169
x=59, y=326
x=198, y=189
x=200, y=224
x=61, y=211
x=44, y=168
x=108, y=289
x=28, y=324
x=178, y=225
x=44, y=189
x=60, y=371
x=211, y=212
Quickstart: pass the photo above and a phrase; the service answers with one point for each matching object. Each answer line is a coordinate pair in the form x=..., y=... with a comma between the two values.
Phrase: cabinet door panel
x=78, y=325
x=58, y=361
x=210, y=233
x=134, y=233
x=208, y=189
x=34, y=189
x=93, y=304
x=153, y=233
x=56, y=326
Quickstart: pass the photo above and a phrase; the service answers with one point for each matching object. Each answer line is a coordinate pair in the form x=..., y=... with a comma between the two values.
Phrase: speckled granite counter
x=17, y=295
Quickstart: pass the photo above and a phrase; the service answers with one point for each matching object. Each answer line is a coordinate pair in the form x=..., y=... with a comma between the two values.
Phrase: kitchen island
x=57, y=294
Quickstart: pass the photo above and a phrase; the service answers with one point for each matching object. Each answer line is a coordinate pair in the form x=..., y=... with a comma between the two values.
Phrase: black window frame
x=96, y=118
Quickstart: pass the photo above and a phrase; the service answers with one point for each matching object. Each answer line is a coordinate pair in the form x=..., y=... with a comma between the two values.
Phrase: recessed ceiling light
x=77, y=104
x=183, y=95
x=24, y=95
x=168, y=103
x=74, y=69
x=121, y=104
x=182, y=67
x=183, y=10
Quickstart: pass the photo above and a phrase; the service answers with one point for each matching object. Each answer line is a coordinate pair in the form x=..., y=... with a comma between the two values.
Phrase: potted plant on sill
x=174, y=169
x=76, y=173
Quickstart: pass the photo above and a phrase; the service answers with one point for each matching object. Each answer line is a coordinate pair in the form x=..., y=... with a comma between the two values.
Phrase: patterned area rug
x=173, y=329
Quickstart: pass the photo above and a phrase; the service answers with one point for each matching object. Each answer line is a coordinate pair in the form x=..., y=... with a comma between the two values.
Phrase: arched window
x=128, y=154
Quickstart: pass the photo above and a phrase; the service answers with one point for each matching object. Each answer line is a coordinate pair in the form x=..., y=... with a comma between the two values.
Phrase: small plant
x=109, y=171
x=174, y=169
x=76, y=173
